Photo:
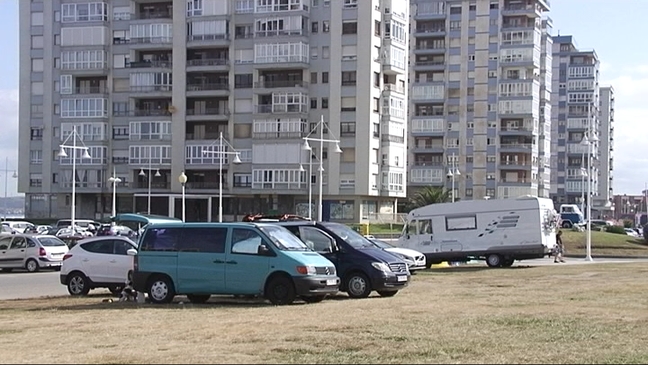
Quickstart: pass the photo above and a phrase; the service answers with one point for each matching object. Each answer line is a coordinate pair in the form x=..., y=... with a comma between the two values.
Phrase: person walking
x=560, y=248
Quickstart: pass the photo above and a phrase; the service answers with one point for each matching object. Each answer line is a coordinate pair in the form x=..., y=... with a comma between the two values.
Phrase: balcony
x=149, y=64
x=207, y=63
x=282, y=109
x=514, y=147
x=531, y=10
x=272, y=84
x=208, y=111
x=211, y=38
x=421, y=64
x=517, y=162
x=279, y=135
x=162, y=112
x=155, y=185
x=150, y=88
x=281, y=33
x=167, y=40
x=512, y=130
x=421, y=162
x=207, y=86
x=87, y=90
x=160, y=14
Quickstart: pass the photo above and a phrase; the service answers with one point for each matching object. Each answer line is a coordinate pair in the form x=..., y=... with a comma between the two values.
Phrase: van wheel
x=314, y=299
x=566, y=224
x=280, y=291
x=31, y=265
x=198, y=298
x=387, y=294
x=160, y=290
x=358, y=285
x=78, y=284
x=494, y=260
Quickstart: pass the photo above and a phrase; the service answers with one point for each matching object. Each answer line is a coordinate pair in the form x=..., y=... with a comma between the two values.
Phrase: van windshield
x=349, y=236
x=283, y=239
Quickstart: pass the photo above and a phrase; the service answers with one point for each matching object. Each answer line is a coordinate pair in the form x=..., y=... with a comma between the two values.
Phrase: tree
x=429, y=195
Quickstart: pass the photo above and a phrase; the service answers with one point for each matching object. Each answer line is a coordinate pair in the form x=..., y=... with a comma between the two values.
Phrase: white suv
x=97, y=262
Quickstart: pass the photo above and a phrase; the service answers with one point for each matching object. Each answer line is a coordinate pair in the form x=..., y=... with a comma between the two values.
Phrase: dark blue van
x=361, y=266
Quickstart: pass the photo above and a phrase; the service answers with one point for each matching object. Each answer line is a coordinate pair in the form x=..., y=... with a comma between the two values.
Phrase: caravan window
x=425, y=226
x=461, y=223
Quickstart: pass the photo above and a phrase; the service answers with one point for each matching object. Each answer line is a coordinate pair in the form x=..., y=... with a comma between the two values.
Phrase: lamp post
x=307, y=147
x=222, y=143
x=114, y=180
x=310, y=182
x=452, y=172
x=583, y=173
x=62, y=154
x=6, y=173
x=157, y=174
x=183, y=181
x=589, y=140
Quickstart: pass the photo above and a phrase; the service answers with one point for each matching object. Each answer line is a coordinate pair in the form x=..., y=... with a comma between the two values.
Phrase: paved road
x=24, y=285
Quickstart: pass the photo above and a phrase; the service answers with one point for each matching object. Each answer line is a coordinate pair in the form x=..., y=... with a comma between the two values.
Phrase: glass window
x=245, y=241
x=5, y=242
x=315, y=239
x=101, y=246
x=349, y=236
x=51, y=242
x=161, y=239
x=283, y=239
x=122, y=247
x=203, y=240
x=425, y=226
x=18, y=243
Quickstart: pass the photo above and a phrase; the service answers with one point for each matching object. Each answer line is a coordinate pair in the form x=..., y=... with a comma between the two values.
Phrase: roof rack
x=273, y=218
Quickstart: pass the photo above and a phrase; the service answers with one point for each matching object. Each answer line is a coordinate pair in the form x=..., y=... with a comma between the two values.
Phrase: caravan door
x=420, y=235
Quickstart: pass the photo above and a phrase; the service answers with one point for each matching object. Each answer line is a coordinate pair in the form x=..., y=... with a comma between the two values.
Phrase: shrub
x=615, y=229
x=627, y=223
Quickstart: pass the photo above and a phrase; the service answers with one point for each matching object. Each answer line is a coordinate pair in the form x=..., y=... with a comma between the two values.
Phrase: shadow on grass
x=470, y=268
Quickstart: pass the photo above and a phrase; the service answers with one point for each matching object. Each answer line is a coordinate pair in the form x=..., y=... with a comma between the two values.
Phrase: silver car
x=31, y=252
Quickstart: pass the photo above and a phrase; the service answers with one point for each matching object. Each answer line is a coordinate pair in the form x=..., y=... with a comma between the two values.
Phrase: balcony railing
x=154, y=40
x=396, y=88
x=428, y=163
x=151, y=88
x=120, y=160
x=142, y=113
x=394, y=139
x=280, y=83
x=517, y=145
x=207, y=37
x=282, y=108
x=517, y=129
x=281, y=33
x=208, y=86
x=205, y=184
x=430, y=30
x=429, y=63
x=154, y=184
x=272, y=135
x=152, y=15
x=208, y=62
x=208, y=111
x=149, y=64
x=90, y=90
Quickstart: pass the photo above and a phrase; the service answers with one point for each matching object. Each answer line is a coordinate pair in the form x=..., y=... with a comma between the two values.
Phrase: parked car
x=115, y=230
x=415, y=259
x=631, y=232
x=6, y=229
x=19, y=226
x=31, y=252
x=97, y=262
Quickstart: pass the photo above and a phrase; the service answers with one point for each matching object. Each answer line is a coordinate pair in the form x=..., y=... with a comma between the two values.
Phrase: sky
x=615, y=29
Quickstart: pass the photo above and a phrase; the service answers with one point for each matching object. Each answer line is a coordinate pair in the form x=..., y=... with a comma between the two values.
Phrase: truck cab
x=571, y=215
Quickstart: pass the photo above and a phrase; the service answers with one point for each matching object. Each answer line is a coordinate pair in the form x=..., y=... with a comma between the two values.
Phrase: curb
x=608, y=257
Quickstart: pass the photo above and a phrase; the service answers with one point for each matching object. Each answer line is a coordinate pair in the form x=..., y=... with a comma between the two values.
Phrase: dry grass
x=604, y=243
x=594, y=313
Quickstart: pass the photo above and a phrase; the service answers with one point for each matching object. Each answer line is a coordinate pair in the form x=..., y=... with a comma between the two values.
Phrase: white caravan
x=499, y=231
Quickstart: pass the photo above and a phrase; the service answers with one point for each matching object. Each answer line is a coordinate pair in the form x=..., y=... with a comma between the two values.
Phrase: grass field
x=604, y=243
x=591, y=313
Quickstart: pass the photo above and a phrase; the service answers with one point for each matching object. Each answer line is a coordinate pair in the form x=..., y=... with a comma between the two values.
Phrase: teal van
x=201, y=259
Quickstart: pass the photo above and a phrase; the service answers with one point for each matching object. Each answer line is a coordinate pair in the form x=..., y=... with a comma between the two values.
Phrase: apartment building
x=480, y=79
x=150, y=85
x=579, y=118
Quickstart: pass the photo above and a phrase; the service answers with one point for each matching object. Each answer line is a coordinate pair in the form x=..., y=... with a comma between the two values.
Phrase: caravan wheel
x=494, y=260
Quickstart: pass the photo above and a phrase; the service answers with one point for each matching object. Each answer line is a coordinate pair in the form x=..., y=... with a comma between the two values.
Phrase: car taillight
x=67, y=256
x=42, y=252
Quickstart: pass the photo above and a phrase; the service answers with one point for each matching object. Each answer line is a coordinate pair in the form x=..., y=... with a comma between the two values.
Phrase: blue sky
x=607, y=26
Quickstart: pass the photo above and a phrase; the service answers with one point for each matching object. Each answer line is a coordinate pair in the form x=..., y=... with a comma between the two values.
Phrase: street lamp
x=114, y=180
x=307, y=147
x=589, y=141
x=583, y=173
x=183, y=181
x=452, y=172
x=62, y=154
x=6, y=172
x=222, y=143
x=157, y=174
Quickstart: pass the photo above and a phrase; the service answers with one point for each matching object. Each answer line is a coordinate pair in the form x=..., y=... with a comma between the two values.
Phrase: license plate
x=402, y=278
x=331, y=282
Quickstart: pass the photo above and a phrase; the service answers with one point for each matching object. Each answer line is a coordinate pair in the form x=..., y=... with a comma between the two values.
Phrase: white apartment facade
x=480, y=111
x=149, y=86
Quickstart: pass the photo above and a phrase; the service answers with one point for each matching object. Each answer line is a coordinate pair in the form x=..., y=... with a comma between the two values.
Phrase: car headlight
x=381, y=266
x=306, y=270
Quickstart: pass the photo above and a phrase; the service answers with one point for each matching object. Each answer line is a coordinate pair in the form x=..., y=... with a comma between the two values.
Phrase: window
x=203, y=240
x=194, y=8
x=326, y=26
x=245, y=241
x=348, y=78
x=314, y=27
x=36, y=133
x=347, y=128
x=76, y=13
x=281, y=52
x=160, y=239
x=350, y=4
x=36, y=157
x=315, y=239
x=461, y=223
x=455, y=9
x=313, y=78
x=326, y=53
x=325, y=77
x=243, y=81
x=313, y=103
x=325, y=104
x=350, y=28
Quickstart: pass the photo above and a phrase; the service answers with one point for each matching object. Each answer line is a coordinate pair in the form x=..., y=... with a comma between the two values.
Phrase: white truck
x=499, y=231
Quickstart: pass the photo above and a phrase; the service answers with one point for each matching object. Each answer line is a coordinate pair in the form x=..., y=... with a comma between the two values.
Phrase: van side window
x=245, y=241
x=315, y=239
x=161, y=239
x=203, y=240
x=425, y=226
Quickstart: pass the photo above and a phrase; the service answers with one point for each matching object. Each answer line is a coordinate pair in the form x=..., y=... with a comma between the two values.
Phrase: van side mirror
x=131, y=252
x=263, y=250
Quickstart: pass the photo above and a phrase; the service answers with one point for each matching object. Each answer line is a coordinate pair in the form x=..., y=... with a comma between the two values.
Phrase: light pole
x=62, y=154
x=6, y=172
x=183, y=181
x=589, y=140
x=583, y=173
x=452, y=172
x=114, y=180
x=310, y=182
x=222, y=142
x=307, y=147
x=157, y=174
